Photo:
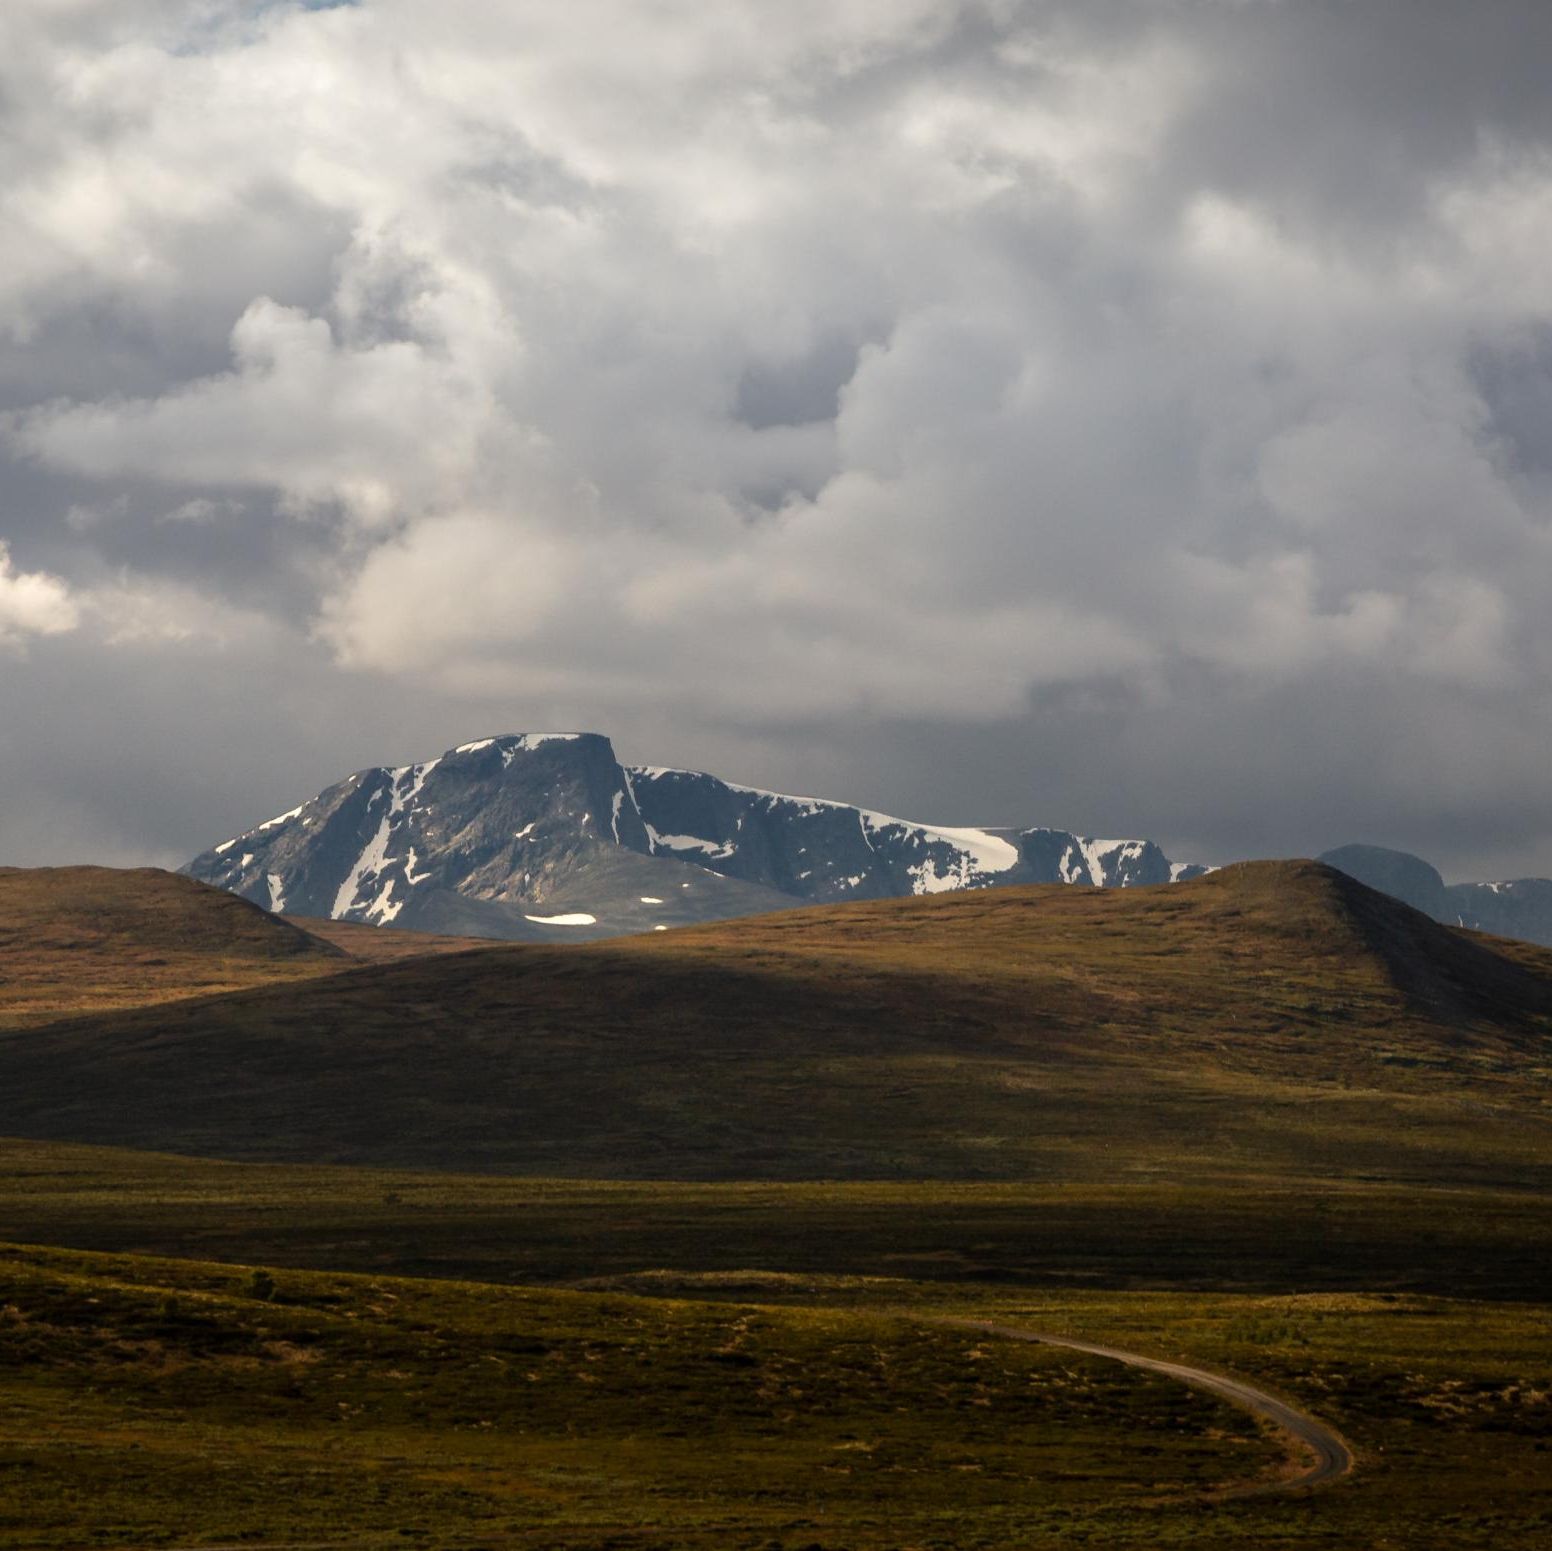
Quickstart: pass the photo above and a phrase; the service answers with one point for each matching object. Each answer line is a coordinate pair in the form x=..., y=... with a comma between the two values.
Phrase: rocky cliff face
x=540, y=835
x=818, y=850
x=546, y=835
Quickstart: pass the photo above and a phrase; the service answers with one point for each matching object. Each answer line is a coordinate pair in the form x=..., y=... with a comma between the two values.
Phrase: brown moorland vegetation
x=1252, y=1233
x=1256, y=1123
x=1273, y=1019
x=82, y=940
x=153, y=1402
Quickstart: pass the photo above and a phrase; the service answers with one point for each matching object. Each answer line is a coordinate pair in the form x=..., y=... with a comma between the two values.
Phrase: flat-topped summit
x=538, y=835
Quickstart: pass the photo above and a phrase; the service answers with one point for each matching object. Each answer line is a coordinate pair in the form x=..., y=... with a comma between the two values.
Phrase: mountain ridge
x=531, y=836
x=547, y=836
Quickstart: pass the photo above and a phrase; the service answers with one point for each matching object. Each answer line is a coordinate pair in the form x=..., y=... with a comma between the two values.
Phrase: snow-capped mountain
x=543, y=835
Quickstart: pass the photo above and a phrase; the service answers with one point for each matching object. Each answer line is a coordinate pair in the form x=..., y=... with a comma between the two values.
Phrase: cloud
x=1042, y=373
x=32, y=604
x=377, y=430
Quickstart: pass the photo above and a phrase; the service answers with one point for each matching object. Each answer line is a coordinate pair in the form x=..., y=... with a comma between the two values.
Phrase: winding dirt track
x=1319, y=1453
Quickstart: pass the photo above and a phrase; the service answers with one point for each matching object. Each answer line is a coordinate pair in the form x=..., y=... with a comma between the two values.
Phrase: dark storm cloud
x=1348, y=115
x=1128, y=416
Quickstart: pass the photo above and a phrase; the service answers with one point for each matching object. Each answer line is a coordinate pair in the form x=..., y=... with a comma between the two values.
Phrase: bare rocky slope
x=544, y=836
x=548, y=837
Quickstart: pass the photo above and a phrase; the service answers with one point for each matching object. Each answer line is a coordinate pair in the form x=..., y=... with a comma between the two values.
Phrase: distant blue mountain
x=1517, y=907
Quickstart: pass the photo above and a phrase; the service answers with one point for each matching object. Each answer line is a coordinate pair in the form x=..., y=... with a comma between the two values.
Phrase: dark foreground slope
x=1274, y=1019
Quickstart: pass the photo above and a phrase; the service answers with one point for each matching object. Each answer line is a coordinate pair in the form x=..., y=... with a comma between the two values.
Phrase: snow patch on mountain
x=986, y=852
x=691, y=843
x=404, y=785
x=1096, y=853
x=527, y=742
x=368, y=860
x=485, y=837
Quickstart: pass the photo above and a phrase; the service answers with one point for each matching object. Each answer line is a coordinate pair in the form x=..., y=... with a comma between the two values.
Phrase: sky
x=1131, y=416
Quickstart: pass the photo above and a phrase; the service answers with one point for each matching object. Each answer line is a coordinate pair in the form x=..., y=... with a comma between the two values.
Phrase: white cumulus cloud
x=32, y=603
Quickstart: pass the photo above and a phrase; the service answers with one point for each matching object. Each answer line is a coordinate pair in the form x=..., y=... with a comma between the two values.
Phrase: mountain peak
x=1397, y=873
x=546, y=835
x=527, y=742
x=540, y=835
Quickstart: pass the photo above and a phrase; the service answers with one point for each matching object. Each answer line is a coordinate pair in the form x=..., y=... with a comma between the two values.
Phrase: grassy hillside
x=1252, y=1122
x=153, y=1402
x=381, y=944
x=87, y=940
x=1275, y=1019
x=90, y=939
x=148, y=1401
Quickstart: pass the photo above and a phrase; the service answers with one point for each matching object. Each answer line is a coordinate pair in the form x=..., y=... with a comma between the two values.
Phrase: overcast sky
x=1133, y=416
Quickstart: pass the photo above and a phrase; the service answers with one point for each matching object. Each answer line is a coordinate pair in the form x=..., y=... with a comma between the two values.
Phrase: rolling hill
x=1269, y=1122
x=1272, y=1019
x=83, y=939
x=90, y=939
